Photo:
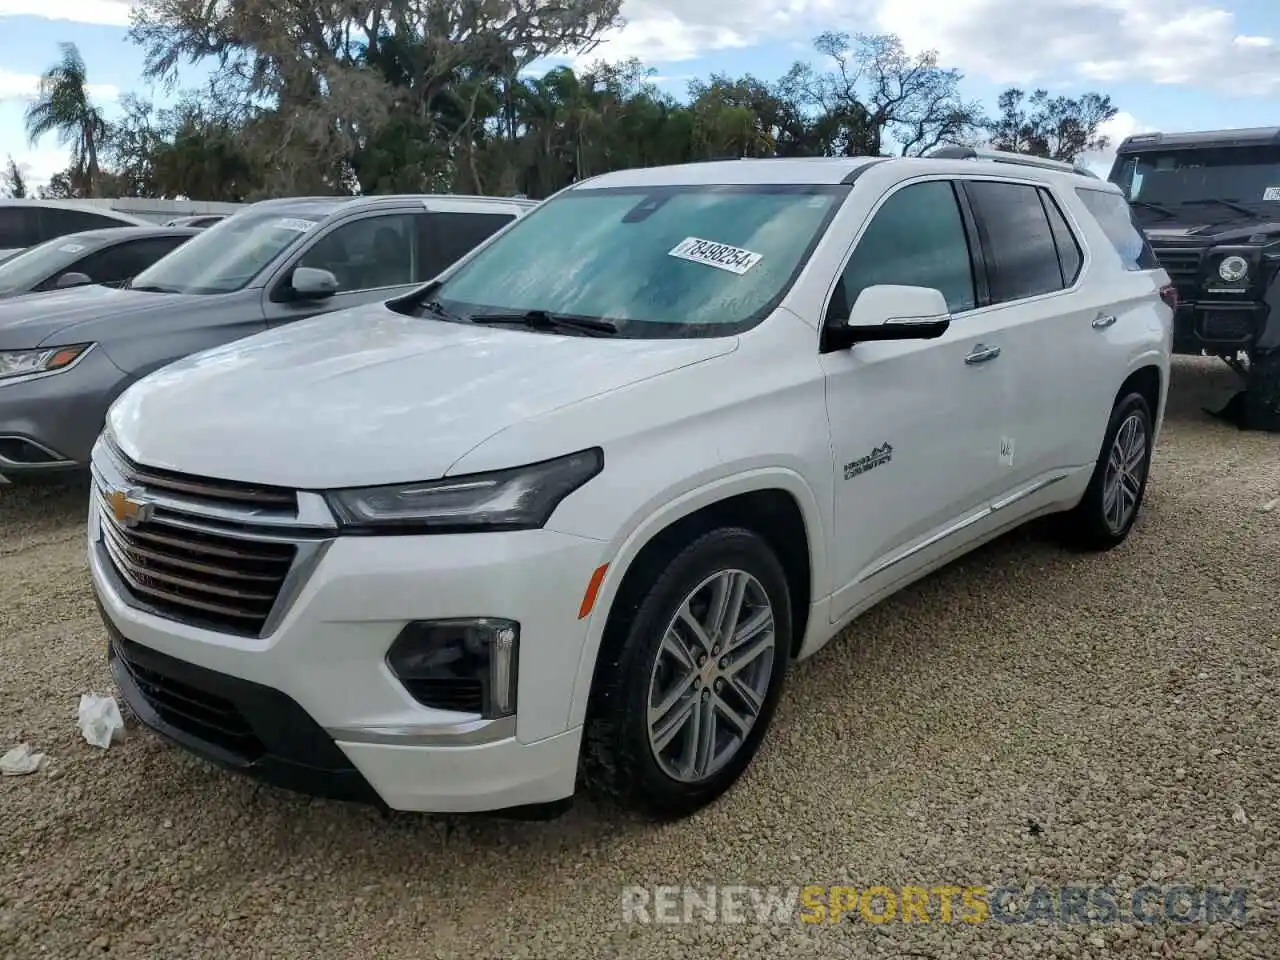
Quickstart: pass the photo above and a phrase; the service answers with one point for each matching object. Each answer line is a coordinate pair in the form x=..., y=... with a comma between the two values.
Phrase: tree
x=14, y=183
x=1060, y=128
x=436, y=96
x=62, y=106
x=333, y=77
x=879, y=92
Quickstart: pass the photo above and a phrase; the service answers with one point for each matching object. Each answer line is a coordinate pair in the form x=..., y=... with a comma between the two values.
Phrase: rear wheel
x=689, y=676
x=1110, y=505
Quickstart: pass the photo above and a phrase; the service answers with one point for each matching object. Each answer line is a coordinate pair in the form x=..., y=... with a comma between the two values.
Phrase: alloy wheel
x=1126, y=465
x=711, y=676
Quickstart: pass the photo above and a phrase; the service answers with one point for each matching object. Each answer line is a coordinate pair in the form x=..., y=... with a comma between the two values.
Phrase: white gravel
x=1028, y=715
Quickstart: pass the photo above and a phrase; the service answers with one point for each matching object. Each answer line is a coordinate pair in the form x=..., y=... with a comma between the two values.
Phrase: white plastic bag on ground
x=20, y=761
x=99, y=720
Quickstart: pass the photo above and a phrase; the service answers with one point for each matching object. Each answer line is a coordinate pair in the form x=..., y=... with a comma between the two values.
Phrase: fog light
x=469, y=666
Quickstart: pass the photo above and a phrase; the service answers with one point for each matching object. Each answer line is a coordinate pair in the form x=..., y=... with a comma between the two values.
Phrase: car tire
x=1099, y=522
x=630, y=753
x=1262, y=392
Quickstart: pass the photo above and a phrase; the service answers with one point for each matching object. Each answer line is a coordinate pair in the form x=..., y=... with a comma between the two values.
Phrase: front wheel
x=689, y=676
x=1110, y=505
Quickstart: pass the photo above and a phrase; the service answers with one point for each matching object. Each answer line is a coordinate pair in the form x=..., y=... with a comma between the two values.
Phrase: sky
x=1167, y=64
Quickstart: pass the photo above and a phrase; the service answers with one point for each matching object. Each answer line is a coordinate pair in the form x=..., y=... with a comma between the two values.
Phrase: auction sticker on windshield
x=71, y=248
x=290, y=223
x=1271, y=193
x=718, y=255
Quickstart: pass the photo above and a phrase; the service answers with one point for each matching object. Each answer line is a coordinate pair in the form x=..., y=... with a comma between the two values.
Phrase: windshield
x=1243, y=175
x=24, y=271
x=226, y=256
x=687, y=261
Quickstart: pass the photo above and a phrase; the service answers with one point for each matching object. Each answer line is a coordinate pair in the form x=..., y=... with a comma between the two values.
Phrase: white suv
x=567, y=513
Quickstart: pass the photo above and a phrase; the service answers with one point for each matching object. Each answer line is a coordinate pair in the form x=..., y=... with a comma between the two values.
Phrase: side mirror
x=72, y=280
x=310, y=283
x=892, y=312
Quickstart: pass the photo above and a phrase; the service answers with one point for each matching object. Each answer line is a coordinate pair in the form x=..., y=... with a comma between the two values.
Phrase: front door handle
x=1103, y=320
x=981, y=353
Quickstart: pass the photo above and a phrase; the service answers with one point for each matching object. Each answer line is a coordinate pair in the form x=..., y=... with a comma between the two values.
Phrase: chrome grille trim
x=212, y=564
x=173, y=496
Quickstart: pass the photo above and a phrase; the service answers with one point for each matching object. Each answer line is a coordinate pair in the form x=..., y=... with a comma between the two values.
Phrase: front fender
x=647, y=525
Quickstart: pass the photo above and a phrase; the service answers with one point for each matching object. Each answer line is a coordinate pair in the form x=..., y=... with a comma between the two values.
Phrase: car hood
x=367, y=396
x=72, y=316
x=1242, y=230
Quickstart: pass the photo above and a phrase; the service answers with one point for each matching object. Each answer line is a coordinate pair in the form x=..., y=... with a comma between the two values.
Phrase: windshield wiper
x=153, y=288
x=542, y=320
x=1229, y=204
x=437, y=308
x=1148, y=205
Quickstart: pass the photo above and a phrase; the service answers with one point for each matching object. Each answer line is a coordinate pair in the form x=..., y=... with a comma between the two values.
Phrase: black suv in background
x=1209, y=204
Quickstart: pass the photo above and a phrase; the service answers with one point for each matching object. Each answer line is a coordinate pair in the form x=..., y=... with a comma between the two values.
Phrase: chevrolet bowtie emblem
x=128, y=510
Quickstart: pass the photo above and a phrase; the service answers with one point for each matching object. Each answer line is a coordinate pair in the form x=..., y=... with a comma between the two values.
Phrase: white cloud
x=38, y=166
x=1160, y=41
x=1122, y=125
x=113, y=13
x=23, y=86
x=669, y=31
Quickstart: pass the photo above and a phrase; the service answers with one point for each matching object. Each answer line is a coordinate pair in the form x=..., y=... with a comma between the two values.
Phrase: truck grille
x=211, y=553
x=1183, y=267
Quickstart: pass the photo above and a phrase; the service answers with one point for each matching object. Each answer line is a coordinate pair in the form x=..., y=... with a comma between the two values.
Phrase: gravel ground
x=1026, y=716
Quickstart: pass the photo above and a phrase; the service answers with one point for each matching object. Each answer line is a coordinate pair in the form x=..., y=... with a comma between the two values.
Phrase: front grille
x=1227, y=327
x=211, y=553
x=1183, y=267
x=195, y=712
x=216, y=492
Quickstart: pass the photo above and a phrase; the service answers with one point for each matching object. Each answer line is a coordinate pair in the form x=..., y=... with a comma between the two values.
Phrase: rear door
x=19, y=227
x=448, y=235
x=1036, y=265
x=58, y=222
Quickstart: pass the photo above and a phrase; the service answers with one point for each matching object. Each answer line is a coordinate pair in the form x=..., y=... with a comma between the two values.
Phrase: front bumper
x=48, y=423
x=1217, y=326
x=312, y=705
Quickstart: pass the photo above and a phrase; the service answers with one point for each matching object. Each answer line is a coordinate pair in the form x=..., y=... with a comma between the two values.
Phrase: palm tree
x=62, y=105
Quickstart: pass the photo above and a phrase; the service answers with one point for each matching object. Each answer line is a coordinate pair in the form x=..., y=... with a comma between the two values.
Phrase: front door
x=916, y=426
x=374, y=257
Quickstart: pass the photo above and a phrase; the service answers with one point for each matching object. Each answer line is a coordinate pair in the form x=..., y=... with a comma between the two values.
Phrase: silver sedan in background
x=65, y=356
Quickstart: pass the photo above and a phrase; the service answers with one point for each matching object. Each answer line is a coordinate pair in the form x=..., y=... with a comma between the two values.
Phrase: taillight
x=1169, y=294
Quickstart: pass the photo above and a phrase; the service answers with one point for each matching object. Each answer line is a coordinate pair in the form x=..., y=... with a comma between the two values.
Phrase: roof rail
x=1004, y=156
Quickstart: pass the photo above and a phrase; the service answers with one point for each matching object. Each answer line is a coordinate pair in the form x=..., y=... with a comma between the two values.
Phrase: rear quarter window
x=1115, y=217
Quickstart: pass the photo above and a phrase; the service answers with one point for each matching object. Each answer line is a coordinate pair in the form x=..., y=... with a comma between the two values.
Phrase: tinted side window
x=56, y=223
x=916, y=239
x=1115, y=216
x=1070, y=257
x=18, y=227
x=368, y=253
x=125, y=260
x=1022, y=259
x=447, y=237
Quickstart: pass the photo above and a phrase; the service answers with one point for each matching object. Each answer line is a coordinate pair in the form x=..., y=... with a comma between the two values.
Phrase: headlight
x=522, y=498
x=1233, y=269
x=21, y=363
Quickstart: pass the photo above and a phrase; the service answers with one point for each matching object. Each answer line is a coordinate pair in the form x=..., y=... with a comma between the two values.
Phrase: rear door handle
x=1103, y=320
x=981, y=353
